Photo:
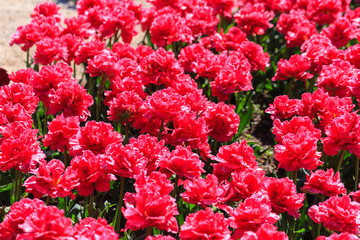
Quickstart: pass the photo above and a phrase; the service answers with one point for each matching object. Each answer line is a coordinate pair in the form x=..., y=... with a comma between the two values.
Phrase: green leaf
x=107, y=207
x=229, y=26
x=180, y=219
x=127, y=235
x=6, y=187
x=61, y=202
x=245, y=118
x=75, y=212
x=156, y=231
x=149, y=42
x=301, y=230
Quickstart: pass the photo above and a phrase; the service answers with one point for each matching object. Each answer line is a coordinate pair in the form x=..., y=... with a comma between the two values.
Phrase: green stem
x=127, y=131
x=311, y=223
x=174, y=47
x=119, y=205
x=294, y=229
x=66, y=201
x=102, y=84
x=118, y=127
x=19, y=185
x=161, y=130
x=116, y=37
x=145, y=35
x=85, y=205
x=174, y=195
x=295, y=174
x=318, y=231
x=289, y=174
x=66, y=157
x=91, y=205
x=16, y=182
x=291, y=223
x=47, y=200
x=221, y=21
x=356, y=173
x=157, y=84
x=74, y=70
x=45, y=120
x=326, y=162
x=207, y=166
x=90, y=85
x=340, y=160
x=13, y=188
x=284, y=223
x=213, y=146
x=208, y=90
x=290, y=87
x=27, y=58
x=108, y=44
x=311, y=85
x=256, y=39
x=149, y=231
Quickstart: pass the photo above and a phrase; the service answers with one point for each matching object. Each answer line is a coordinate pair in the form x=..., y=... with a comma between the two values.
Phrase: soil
x=14, y=13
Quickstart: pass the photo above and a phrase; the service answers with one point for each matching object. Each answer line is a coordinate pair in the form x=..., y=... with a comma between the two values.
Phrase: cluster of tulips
x=103, y=140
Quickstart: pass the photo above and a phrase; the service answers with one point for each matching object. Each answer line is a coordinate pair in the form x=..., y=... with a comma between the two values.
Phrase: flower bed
x=99, y=139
